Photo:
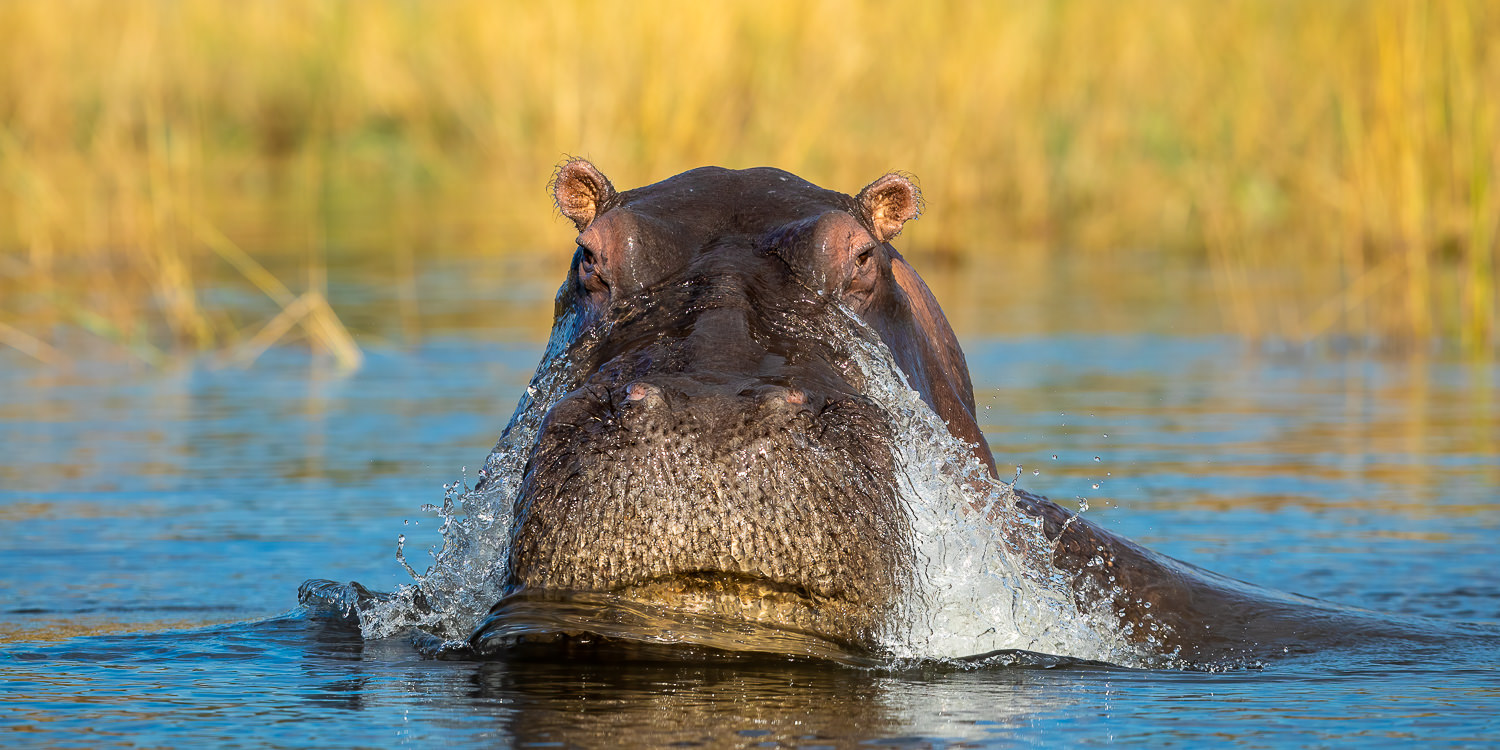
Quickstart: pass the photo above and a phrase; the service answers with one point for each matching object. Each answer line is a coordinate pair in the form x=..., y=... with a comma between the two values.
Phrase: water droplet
x=1096, y=458
x=1036, y=472
x=1083, y=505
x=1054, y=457
x=1106, y=434
x=1096, y=485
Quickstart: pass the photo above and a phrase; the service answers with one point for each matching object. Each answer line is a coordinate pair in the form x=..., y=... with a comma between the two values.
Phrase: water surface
x=155, y=525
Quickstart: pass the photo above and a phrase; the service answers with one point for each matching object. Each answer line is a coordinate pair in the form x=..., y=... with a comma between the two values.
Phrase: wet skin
x=717, y=456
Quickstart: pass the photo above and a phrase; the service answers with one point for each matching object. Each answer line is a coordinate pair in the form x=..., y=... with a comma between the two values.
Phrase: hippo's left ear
x=890, y=202
x=582, y=192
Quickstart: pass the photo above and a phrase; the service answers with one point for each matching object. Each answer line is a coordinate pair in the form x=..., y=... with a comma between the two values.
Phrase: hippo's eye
x=589, y=271
x=864, y=254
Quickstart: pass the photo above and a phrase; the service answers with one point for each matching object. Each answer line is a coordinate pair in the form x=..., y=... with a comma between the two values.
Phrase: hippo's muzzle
x=734, y=497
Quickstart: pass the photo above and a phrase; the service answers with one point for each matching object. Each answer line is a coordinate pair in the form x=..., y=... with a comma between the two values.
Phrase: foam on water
x=982, y=581
x=464, y=580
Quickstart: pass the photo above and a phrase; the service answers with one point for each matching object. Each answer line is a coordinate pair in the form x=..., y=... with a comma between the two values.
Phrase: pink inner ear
x=891, y=201
x=579, y=189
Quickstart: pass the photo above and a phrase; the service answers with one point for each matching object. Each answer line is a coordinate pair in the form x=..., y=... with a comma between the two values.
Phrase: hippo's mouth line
x=676, y=589
x=638, y=614
x=716, y=582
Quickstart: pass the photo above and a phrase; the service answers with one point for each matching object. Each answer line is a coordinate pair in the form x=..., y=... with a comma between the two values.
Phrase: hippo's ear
x=581, y=191
x=890, y=202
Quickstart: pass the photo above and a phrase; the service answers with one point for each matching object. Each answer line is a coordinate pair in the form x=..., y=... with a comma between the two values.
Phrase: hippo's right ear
x=581, y=192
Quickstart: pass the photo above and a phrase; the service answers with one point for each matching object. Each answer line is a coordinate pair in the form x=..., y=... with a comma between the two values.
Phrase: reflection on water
x=293, y=681
x=134, y=501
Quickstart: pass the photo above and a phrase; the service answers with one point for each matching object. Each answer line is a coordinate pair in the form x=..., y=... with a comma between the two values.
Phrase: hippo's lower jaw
x=711, y=611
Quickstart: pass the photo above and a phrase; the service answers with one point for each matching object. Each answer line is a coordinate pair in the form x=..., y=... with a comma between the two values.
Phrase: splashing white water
x=983, y=581
x=466, y=574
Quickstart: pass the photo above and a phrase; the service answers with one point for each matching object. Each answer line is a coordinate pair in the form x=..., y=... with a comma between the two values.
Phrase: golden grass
x=1347, y=148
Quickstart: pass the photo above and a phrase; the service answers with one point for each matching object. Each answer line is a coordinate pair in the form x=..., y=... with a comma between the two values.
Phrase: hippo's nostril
x=644, y=393
x=780, y=397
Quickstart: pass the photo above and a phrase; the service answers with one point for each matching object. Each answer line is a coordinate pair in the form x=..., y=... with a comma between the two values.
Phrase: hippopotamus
x=712, y=451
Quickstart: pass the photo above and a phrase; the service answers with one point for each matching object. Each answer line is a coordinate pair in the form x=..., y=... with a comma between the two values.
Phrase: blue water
x=155, y=525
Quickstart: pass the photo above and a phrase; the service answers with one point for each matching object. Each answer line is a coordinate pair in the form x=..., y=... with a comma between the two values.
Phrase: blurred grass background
x=1332, y=163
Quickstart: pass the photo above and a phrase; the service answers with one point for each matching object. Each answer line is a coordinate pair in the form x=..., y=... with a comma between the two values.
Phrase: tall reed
x=1347, y=149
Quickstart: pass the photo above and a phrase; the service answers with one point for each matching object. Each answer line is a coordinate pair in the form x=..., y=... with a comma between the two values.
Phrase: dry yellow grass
x=1350, y=147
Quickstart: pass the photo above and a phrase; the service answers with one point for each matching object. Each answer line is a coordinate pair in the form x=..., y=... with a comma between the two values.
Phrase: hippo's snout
x=707, y=493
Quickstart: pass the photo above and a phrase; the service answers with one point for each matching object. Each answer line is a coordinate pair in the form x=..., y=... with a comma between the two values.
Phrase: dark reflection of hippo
x=717, y=456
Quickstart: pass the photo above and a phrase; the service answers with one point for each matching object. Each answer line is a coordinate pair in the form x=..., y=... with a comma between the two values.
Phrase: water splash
x=981, y=584
x=983, y=581
x=464, y=579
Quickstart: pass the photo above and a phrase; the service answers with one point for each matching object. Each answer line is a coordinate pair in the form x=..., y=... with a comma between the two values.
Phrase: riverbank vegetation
x=1334, y=163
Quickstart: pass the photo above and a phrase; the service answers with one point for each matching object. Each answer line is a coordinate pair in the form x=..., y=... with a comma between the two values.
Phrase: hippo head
x=714, y=453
